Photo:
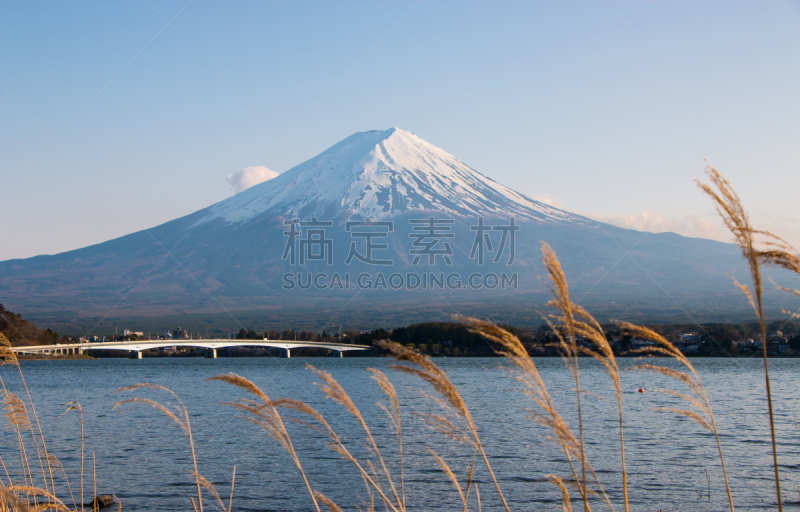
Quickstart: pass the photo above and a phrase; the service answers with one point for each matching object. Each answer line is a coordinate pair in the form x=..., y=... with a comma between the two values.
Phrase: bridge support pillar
x=341, y=353
x=287, y=353
x=136, y=354
x=211, y=353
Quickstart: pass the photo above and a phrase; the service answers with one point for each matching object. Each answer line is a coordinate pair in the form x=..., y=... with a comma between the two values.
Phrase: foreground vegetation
x=569, y=323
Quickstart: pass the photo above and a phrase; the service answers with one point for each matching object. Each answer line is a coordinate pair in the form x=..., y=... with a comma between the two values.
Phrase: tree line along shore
x=448, y=339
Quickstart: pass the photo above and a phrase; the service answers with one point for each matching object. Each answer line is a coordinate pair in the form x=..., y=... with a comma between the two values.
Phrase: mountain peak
x=379, y=174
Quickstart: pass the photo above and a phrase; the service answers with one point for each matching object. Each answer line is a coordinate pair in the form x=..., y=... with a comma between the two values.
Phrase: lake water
x=144, y=459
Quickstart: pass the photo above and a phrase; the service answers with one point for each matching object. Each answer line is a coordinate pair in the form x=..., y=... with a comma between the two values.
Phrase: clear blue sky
x=603, y=108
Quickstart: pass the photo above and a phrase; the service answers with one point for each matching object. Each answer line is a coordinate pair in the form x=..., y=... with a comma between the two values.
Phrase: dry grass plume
x=179, y=416
x=264, y=413
x=451, y=399
x=758, y=248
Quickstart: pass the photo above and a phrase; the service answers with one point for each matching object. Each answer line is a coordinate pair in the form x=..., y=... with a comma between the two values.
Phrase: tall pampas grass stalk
x=17, y=420
x=569, y=346
x=394, y=417
x=702, y=413
x=451, y=475
x=589, y=328
x=9, y=499
x=208, y=486
x=266, y=414
x=534, y=387
x=333, y=507
x=462, y=494
x=10, y=358
x=75, y=406
x=54, y=462
x=566, y=504
x=5, y=470
x=369, y=473
x=758, y=248
x=333, y=390
x=426, y=370
x=568, y=324
x=179, y=416
x=471, y=483
x=579, y=322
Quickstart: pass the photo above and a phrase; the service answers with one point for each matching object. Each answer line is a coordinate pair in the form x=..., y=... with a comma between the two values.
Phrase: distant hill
x=21, y=332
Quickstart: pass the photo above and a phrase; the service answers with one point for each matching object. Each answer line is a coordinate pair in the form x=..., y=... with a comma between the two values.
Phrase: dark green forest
x=23, y=332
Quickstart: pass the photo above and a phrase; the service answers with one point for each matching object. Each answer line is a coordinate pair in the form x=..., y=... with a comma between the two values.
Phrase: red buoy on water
x=641, y=390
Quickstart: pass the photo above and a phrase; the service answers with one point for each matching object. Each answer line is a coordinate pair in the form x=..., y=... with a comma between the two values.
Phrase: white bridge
x=136, y=347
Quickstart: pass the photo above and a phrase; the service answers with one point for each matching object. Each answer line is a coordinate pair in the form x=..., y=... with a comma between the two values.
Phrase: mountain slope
x=235, y=256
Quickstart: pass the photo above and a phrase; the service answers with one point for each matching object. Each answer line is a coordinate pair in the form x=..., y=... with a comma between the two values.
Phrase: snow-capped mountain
x=232, y=256
x=381, y=174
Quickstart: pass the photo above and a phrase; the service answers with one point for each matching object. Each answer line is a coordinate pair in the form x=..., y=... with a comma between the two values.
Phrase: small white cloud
x=691, y=225
x=550, y=201
x=250, y=176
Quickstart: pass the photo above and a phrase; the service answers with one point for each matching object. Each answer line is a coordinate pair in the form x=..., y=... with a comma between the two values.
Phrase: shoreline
x=28, y=357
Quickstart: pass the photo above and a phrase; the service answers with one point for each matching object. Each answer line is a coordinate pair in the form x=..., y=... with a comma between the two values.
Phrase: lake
x=144, y=458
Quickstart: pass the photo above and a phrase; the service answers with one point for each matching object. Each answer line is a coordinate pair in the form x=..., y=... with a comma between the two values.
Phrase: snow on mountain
x=236, y=260
x=379, y=174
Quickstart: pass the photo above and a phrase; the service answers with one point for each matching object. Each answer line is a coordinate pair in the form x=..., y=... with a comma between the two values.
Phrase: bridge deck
x=138, y=346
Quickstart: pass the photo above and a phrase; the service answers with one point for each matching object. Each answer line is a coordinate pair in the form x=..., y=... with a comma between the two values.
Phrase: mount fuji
x=378, y=202
x=381, y=174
